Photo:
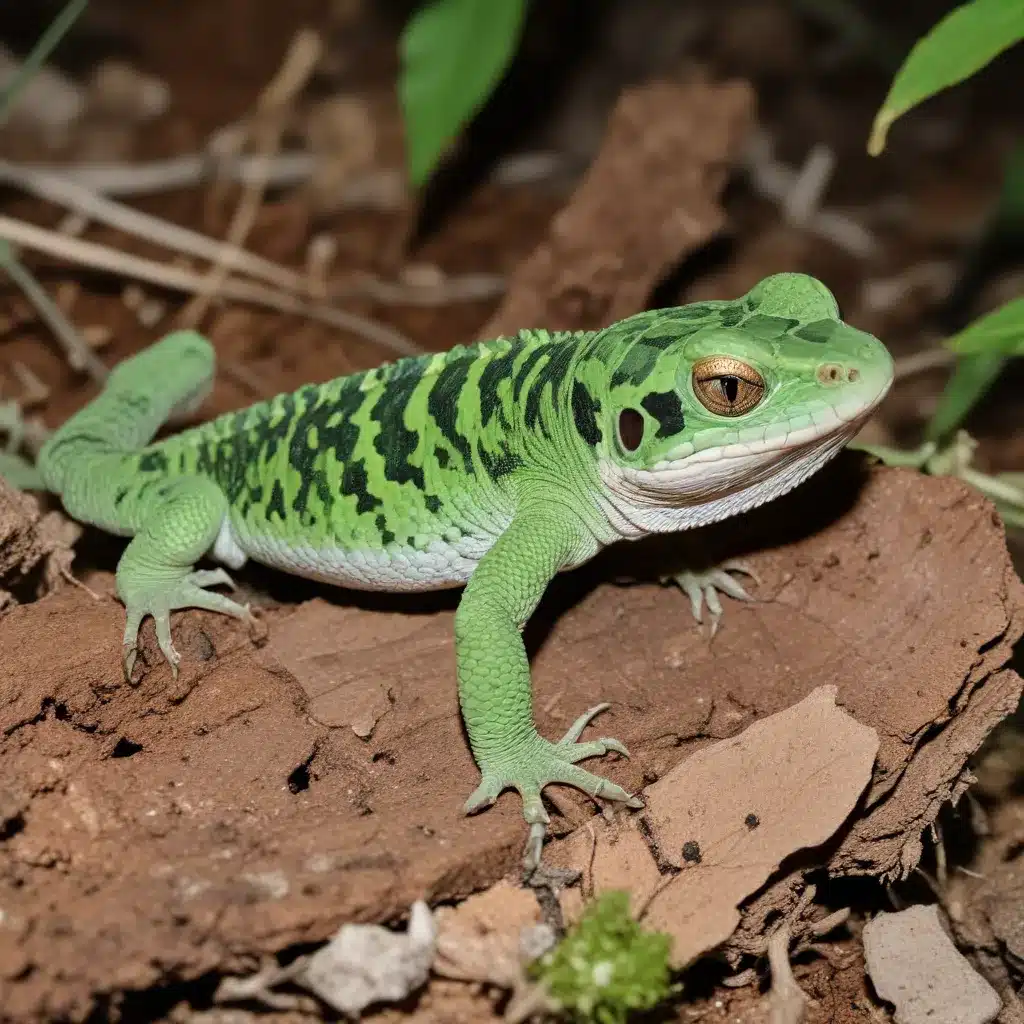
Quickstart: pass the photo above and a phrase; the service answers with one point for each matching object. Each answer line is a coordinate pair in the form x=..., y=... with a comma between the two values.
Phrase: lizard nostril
x=829, y=373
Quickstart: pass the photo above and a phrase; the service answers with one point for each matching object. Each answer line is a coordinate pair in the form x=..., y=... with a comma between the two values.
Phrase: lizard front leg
x=494, y=678
x=156, y=573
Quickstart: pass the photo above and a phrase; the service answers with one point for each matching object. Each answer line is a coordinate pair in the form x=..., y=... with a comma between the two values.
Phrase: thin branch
x=79, y=355
x=68, y=193
x=298, y=65
x=382, y=189
x=102, y=257
x=442, y=292
x=922, y=362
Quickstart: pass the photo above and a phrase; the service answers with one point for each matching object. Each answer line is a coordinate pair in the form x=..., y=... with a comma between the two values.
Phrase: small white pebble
x=151, y=312
x=422, y=275
x=133, y=296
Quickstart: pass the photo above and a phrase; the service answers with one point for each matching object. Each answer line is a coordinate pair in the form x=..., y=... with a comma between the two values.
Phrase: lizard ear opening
x=631, y=429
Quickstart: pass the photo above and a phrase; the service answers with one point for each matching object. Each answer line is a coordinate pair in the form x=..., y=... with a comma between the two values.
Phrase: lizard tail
x=168, y=379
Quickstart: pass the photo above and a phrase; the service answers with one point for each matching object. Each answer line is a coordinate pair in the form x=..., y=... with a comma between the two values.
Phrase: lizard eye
x=631, y=429
x=727, y=386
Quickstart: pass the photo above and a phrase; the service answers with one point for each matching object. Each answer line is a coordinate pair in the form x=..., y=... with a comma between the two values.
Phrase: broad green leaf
x=972, y=377
x=1000, y=332
x=963, y=42
x=46, y=44
x=454, y=53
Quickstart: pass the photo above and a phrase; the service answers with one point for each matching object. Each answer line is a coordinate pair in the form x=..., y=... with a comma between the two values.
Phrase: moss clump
x=607, y=966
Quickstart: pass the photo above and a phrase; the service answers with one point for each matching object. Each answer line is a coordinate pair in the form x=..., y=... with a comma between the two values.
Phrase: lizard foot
x=702, y=588
x=160, y=599
x=534, y=764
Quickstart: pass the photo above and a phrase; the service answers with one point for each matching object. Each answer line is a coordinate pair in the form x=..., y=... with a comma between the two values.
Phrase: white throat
x=713, y=485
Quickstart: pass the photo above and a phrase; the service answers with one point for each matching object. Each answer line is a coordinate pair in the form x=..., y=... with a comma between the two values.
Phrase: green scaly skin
x=495, y=465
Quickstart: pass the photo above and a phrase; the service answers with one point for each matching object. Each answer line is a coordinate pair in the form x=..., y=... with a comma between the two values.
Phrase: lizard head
x=716, y=407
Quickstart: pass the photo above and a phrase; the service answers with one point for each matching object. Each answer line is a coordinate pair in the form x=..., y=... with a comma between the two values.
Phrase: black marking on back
x=441, y=457
x=335, y=442
x=432, y=503
x=666, y=408
x=499, y=368
x=303, y=459
x=443, y=404
x=500, y=464
x=523, y=373
x=553, y=374
x=354, y=482
x=153, y=462
x=381, y=522
x=584, y=413
x=276, y=503
x=253, y=496
x=396, y=443
x=233, y=446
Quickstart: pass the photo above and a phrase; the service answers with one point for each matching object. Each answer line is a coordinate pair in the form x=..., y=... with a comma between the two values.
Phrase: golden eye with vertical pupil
x=727, y=386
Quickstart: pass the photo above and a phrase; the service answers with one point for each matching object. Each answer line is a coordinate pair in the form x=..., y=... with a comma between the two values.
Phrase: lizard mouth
x=841, y=422
x=732, y=472
x=825, y=423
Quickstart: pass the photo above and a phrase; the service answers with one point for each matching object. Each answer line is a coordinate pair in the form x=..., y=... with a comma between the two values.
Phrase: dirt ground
x=157, y=838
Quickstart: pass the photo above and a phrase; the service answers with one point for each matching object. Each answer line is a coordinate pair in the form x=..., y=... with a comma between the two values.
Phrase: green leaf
x=454, y=53
x=963, y=42
x=1000, y=332
x=46, y=44
x=972, y=377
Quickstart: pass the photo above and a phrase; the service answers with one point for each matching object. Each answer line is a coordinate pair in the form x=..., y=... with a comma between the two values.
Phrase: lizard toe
x=160, y=599
x=535, y=763
x=703, y=588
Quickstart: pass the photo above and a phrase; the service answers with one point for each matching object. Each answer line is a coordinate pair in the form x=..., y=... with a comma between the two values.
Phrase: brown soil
x=176, y=828
x=157, y=837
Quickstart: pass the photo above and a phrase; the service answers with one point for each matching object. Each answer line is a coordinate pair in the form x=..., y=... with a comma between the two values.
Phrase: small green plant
x=453, y=53
x=961, y=44
x=607, y=967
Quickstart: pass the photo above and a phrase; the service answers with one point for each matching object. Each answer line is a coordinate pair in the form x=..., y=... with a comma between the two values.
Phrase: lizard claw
x=702, y=589
x=160, y=600
x=536, y=763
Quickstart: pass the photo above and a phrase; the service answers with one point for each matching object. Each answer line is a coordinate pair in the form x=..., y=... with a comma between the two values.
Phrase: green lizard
x=494, y=465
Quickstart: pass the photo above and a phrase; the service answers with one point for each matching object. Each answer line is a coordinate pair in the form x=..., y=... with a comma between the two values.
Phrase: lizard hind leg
x=157, y=575
x=177, y=370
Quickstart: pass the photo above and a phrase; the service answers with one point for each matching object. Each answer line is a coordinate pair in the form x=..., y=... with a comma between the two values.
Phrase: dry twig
x=102, y=257
x=269, y=122
x=66, y=192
